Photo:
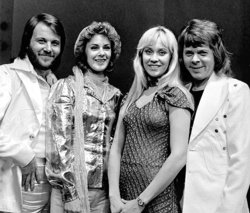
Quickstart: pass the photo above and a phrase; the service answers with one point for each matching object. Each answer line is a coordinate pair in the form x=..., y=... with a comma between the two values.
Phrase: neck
x=96, y=74
x=42, y=73
x=152, y=82
x=200, y=84
x=93, y=75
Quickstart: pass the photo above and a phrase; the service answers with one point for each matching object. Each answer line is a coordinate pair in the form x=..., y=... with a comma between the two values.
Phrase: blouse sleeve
x=59, y=139
x=174, y=96
x=117, y=99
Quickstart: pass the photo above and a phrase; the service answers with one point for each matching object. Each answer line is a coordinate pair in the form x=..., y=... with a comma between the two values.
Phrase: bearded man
x=24, y=89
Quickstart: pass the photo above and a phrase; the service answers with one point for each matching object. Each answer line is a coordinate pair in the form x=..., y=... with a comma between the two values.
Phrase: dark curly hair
x=103, y=28
x=203, y=32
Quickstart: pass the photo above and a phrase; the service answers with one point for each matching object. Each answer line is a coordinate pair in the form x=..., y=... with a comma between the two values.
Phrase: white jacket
x=218, y=160
x=20, y=121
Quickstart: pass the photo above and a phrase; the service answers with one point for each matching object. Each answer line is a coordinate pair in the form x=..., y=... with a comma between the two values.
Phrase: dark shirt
x=197, y=97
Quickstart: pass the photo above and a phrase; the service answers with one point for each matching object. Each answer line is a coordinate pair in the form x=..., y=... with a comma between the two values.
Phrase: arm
x=238, y=145
x=59, y=140
x=179, y=132
x=114, y=166
x=20, y=153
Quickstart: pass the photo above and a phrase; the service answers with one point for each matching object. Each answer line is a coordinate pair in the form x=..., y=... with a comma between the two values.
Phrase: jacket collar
x=109, y=90
x=28, y=76
x=23, y=65
x=214, y=95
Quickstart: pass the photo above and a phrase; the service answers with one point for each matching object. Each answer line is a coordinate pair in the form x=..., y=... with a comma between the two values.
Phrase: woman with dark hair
x=217, y=171
x=81, y=115
x=151, y=137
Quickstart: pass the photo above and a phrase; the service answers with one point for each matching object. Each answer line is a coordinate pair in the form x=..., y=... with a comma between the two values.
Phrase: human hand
x=131, y=206
x=116, y=205
x=72, y=206
x=30, y=175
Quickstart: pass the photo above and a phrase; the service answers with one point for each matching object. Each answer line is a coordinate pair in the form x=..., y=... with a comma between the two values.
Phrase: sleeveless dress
x=146, y=148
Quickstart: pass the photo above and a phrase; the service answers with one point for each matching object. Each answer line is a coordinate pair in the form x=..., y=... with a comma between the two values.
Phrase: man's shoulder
x=6, y=67
x=6, y=71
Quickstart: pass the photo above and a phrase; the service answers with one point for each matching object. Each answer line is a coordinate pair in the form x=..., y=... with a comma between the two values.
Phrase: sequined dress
x=147, y=146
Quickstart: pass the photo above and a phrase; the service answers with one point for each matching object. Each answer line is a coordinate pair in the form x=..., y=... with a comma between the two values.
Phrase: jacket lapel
x=213, y=97
x=24, y=71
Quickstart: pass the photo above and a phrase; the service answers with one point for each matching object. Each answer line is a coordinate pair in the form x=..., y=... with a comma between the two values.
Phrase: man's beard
x=35, y=62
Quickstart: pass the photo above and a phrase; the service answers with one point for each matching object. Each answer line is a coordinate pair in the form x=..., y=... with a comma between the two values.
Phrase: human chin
x=99, y=67
x=157, y=73
x=38, y=62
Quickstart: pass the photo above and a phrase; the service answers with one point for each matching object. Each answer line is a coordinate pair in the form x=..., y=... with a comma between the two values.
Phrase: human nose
x=195, y=59
x=47, y=47
x=154, y=57
x=101, y=51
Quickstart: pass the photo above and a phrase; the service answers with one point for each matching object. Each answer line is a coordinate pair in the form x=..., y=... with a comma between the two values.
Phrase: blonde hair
x=172, y=75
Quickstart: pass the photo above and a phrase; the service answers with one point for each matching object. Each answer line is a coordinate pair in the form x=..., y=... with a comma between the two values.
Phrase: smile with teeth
x=100, y=60
x=153, y=65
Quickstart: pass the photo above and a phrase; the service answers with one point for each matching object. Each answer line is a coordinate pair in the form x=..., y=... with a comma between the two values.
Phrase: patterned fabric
x=98, y=121
x=147, y=146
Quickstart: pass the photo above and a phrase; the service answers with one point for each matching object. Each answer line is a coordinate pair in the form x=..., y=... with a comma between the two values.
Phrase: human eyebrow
x=188, y=52
x=94, y=46
x=107, y=46
x=163, y=51
x=203, y=52
x=40, y=40
x=147, y=50
x=56, y=42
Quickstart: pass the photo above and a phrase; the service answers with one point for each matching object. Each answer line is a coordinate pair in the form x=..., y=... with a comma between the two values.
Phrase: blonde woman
x=151, y=138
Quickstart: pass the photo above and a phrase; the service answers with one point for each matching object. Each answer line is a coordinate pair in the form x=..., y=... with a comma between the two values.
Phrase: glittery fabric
x=147, y=146
x=98, y=121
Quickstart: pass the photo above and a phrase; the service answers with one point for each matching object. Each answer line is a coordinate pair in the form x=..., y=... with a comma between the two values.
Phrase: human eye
x=148, y=51
x=94, y=47
x=163, y=52
x=55, y=43
x=203, y=53
x=41, y=41
x=107, y=47
x=188, y=53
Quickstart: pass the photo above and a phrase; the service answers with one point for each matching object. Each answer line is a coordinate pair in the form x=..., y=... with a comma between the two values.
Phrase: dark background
x=130, y=18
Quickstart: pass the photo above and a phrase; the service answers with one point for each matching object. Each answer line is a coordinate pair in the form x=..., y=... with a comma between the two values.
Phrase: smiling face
x=98, y=52
x=199, y=62
x=44, y=48
x=155, y=59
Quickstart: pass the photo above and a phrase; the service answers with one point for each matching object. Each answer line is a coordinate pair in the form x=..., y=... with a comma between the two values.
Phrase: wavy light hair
x=172, y=75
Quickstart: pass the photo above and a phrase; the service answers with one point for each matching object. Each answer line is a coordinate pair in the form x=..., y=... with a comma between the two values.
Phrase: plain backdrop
x=130, y=18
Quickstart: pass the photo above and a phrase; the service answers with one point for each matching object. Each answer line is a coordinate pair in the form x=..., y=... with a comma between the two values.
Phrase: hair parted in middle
x=172, y=75
x=50, y=21
x=97, y=28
